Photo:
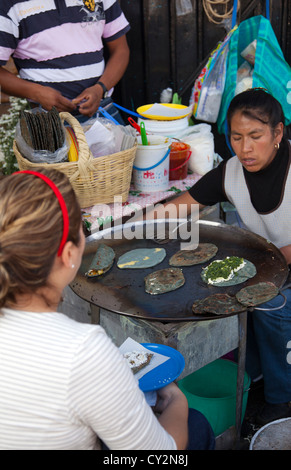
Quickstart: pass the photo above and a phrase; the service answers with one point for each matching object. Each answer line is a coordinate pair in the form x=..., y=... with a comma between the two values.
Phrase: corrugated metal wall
x=169, y=44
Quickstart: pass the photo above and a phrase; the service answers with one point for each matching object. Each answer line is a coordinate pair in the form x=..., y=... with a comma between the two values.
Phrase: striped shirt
x=59, y=43
x=63, y=383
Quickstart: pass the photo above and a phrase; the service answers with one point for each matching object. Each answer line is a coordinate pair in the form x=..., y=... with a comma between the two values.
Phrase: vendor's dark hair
x=257, y=103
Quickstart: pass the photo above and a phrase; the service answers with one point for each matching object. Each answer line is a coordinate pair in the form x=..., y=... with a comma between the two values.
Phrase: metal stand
x=242, y=325
x=230, y=438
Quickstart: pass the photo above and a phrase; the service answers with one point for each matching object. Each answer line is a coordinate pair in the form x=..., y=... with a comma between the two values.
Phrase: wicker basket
x=95, y=180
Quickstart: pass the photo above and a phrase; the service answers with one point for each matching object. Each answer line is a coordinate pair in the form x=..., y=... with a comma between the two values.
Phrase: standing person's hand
x=48, y=98
x=89, y=100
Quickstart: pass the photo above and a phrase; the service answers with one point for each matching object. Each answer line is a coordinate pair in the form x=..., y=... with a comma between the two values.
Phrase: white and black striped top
x=63, y=383
x=59, y=44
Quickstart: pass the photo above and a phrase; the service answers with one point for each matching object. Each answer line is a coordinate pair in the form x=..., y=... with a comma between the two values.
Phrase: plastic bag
x=270, y=70
x=40, y=156
x=100, y=136
x=196, y=91
x=244, y=78
x=104, y=137
x=183, y=7
x=249, y=53
x=212, y=90
x=201, y=141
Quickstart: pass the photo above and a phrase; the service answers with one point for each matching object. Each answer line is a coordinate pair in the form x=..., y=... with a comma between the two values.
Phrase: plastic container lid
x=168, y=128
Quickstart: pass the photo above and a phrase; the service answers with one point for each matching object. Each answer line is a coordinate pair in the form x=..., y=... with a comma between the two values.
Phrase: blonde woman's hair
x=31, y=225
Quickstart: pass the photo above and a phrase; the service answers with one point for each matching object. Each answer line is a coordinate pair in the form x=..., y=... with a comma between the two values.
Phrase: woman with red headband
x=64, y=385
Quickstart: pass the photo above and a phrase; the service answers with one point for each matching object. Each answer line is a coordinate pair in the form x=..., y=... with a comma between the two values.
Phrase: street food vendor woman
x=257, y=181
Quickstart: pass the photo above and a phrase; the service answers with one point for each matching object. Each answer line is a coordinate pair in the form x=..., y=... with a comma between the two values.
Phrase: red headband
x=61, y=202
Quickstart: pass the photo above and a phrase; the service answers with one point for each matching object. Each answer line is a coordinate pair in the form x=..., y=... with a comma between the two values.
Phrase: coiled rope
x=225, y=8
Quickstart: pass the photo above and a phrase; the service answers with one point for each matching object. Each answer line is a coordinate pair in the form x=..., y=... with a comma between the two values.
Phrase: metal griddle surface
x=122, y=290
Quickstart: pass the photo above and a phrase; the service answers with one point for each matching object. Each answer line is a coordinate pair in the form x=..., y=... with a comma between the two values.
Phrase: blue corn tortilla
x=164, y=280
x=141, y=258
x=203, y=253
x=257, y=294
x=218, y=304
x=102, y=261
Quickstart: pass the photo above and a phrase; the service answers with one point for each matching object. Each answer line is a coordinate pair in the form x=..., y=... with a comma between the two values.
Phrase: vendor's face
x=254, y=143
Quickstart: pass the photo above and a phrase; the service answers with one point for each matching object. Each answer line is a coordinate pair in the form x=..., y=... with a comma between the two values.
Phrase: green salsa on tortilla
x=229, y=271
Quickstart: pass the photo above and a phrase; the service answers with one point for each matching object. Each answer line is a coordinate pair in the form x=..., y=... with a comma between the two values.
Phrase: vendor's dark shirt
x=265, y=186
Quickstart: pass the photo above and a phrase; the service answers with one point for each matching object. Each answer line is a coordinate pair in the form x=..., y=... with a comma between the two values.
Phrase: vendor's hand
x=167, y=395
x=89, y=100
x=48, y=98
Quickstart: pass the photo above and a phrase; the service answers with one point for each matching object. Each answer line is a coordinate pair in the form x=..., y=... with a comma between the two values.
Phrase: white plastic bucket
x=171, y=128
x=273, y=436
x=151, y=164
